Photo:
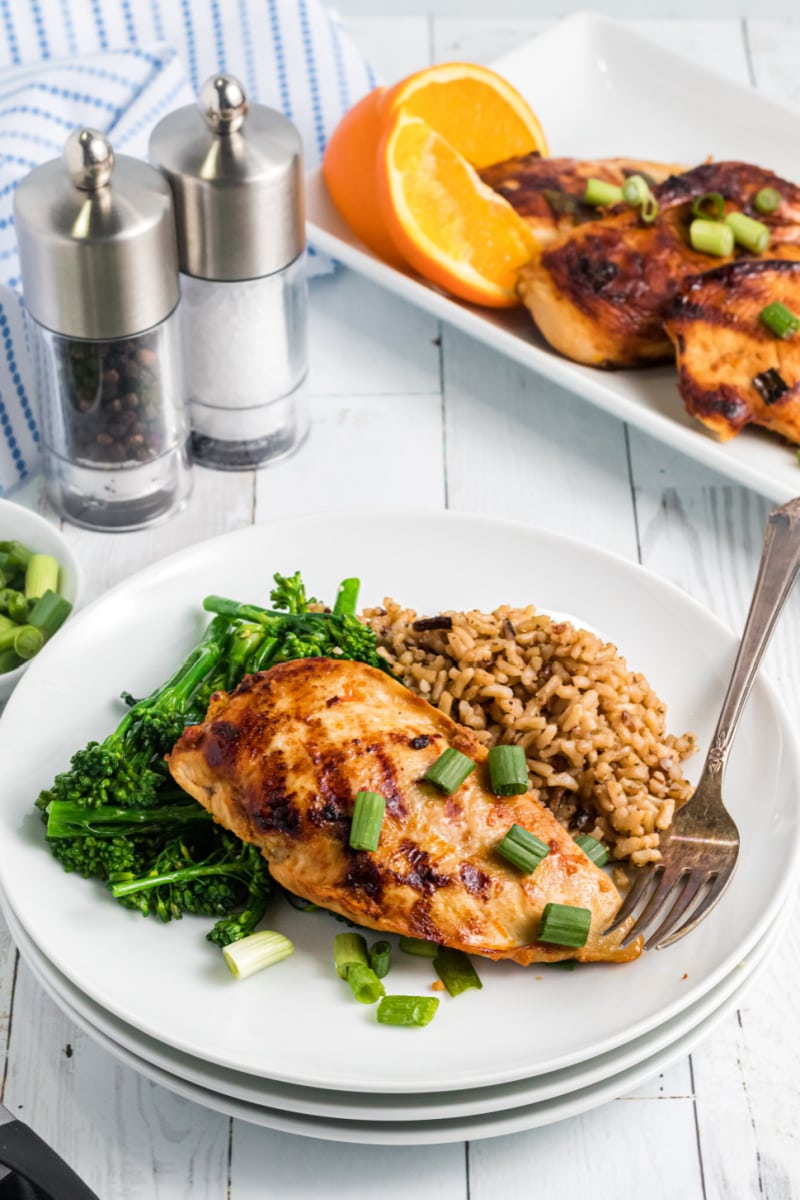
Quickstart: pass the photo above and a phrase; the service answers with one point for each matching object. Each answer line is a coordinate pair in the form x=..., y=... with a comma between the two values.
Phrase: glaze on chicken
x=280, y=761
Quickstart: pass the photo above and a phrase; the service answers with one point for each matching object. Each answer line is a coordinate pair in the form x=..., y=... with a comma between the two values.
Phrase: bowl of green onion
x=40, y=581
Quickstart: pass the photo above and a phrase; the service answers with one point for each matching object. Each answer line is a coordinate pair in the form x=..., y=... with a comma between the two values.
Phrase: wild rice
x=594, y=732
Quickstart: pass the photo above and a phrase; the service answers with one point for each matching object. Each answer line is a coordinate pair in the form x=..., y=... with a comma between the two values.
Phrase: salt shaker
x=99, y=266
x=236, y=174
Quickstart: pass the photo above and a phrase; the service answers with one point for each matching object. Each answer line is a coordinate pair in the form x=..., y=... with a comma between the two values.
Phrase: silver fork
x=700, y=852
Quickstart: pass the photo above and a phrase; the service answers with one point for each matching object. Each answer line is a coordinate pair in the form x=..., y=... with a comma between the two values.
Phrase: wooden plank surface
x=407, y=413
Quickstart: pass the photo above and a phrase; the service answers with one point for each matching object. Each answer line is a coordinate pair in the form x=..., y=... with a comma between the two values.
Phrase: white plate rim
x=468, y=1102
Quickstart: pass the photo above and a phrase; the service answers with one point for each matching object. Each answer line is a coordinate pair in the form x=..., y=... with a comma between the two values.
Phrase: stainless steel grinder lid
x=96, y=238
x=236, y=172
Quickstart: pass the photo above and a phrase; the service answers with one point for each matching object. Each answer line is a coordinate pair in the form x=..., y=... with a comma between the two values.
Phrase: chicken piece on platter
x=732, y=369
x=600, y=293
x=548, y=192
x=280, y=760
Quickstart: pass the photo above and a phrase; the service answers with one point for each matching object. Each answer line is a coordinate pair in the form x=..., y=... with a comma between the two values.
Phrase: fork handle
x=780, y=560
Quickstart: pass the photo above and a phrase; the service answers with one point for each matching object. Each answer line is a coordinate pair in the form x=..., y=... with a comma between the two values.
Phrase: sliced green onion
x=508, y=770
x=14, y=604
x=49, y=613
x=456, y=971
x=636, y=192
x=347, y=598
x=565, y=964
x=349, y=949
x=380, y=958
x=523, y=849
x=599, y=192
x=752, y=234
x=711, y=237
x=8, y=661
x=779, y=320
x=28, y=641
x=450, y=770
x=41, y=575
x=365, y=830
x=19, y=554
x=407, y=1010
x=256, y=951
x=767, y=200
x=565, y=925
x=593, y=849
x=710, y=205
x=364, y=984
x=421, y=949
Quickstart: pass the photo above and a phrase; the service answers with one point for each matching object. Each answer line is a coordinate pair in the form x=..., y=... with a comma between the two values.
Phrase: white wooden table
x=408, y=412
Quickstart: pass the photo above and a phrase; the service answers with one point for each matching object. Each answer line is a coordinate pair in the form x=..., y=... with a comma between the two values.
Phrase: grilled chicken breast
x=280, y=761
x=732, y=370
x=600, y=293
x=548, y=192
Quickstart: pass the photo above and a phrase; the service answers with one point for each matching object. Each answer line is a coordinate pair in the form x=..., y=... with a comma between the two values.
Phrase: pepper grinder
x=236, y=172
x=99, y=268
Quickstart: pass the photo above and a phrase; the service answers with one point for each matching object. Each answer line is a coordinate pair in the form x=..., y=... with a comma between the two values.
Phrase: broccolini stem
x=186, y=875
x=66, y=819
x=347, y=598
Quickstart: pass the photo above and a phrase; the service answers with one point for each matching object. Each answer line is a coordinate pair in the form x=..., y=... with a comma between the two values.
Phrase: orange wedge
x=477, y=111
x=348, y=168
x=447, y=223
x=483, y=117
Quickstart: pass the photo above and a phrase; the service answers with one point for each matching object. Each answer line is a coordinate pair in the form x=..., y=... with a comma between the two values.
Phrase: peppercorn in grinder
x=99, y=266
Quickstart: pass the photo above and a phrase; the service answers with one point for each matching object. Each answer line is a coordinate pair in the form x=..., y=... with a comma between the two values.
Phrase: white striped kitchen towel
x=119, y=65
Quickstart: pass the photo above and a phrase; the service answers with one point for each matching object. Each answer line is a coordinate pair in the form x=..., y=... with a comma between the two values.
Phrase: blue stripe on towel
x=191, y=47
x=41, y=32
x=69, y=28
x=10, y=31
x=280, y=59
x=99, y=24
x=249, y=57
x=5, y=420
x=219, y=36
x=313, y=81
x=338, y=59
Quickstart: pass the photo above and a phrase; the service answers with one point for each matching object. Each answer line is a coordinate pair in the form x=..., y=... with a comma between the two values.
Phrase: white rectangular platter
x=601, y=90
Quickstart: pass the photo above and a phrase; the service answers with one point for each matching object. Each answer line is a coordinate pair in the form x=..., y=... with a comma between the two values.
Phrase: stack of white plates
x=290, y=1048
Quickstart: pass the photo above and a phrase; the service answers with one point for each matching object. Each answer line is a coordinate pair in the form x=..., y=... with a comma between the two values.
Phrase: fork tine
x=640, y=884
x=694, y=883
x=652, y=908
x=709, y=901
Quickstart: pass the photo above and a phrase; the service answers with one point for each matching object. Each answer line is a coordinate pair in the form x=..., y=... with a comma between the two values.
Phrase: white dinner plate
x=601, y=90
x=297, y=1022
x=351, y=1106
x=384, y=1131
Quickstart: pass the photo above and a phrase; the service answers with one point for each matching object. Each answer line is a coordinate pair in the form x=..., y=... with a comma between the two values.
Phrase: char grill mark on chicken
x=280, y=761
x=732, y=370
x=599, y=294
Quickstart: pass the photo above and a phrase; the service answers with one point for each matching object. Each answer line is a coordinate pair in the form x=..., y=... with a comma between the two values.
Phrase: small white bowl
x=22, y=525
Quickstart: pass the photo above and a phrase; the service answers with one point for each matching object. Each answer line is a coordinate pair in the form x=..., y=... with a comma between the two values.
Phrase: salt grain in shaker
x=99, y=266
x=236, y=174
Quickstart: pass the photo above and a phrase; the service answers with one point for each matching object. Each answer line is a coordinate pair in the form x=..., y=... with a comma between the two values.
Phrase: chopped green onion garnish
x=24, y=640
x=349, y=949
x=421, y=949
x=380, y=958
x=523, y=849
x=636, y=192
x=565, y=964
x=508, y=770
x=752, y=234
x=767, y=200
x=711, y=237
x=41, y=575
x=599, y=192
x=364, y=984
x=8, y=661
x=593, y=849
x=365, y=830
x=565, y=925
x=450, y=770
x=407, y=1010
x=779, y=320
x=347, y=598
x=258, y=950
x=710, y=205
x=456, y=971
x=49, y=613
